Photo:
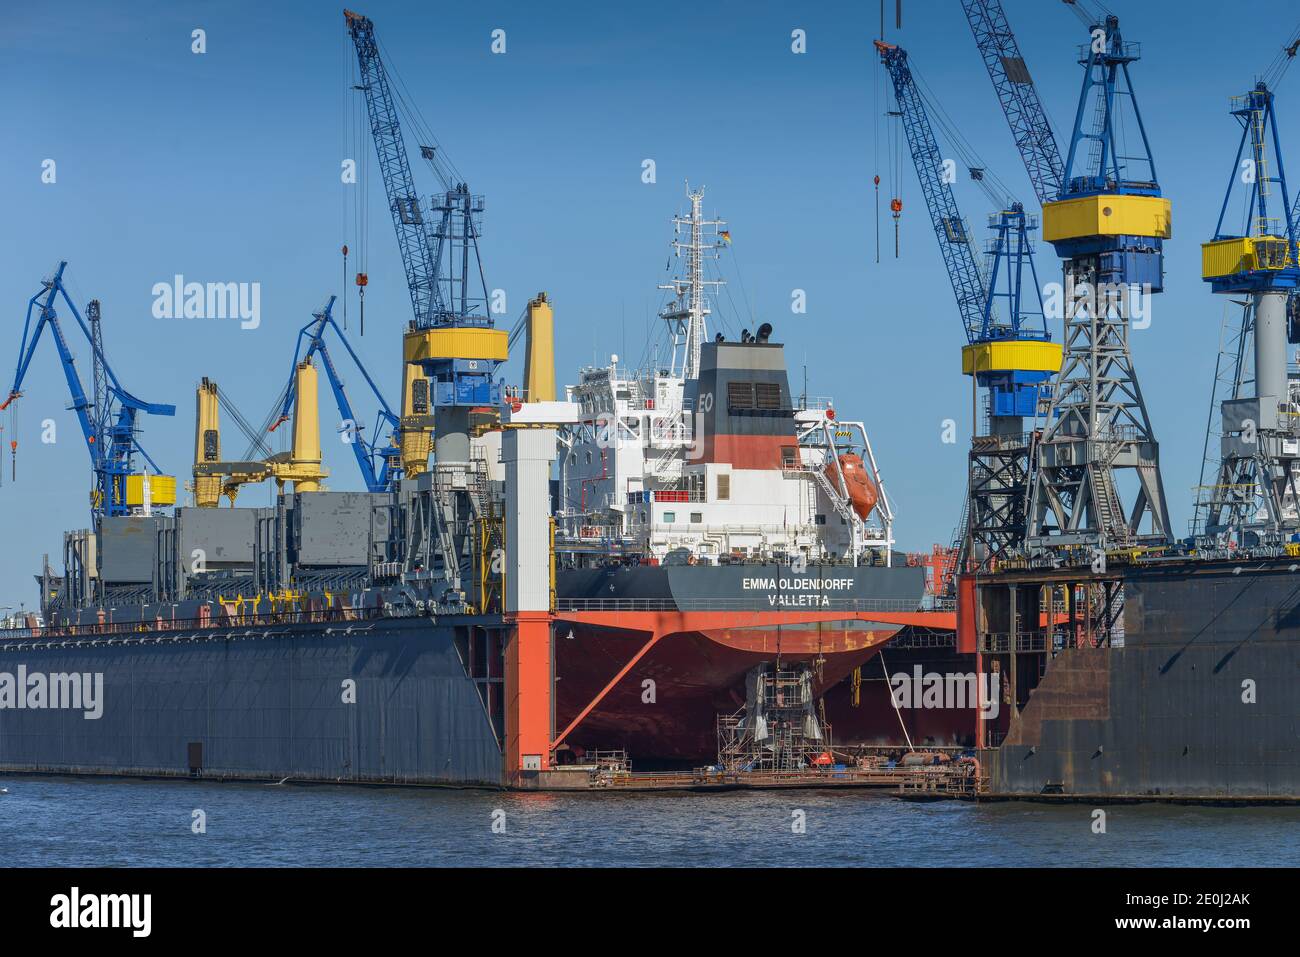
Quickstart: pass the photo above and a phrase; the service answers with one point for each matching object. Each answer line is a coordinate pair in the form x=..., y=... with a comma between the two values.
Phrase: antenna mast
x=685, y=316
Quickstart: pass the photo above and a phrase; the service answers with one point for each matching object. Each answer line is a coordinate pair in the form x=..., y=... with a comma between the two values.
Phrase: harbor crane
x=108, y=420
x=1010, y=358
x=451, y=351
x=1104, y=214
x=378, y=461
x=1254, y=497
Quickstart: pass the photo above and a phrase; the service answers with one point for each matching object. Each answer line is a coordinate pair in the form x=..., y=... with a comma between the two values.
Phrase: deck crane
x=1256, y=490
x=1010, y=358
x=108, y=420
x=1107, y=220
x=450, y=350
x=379, y=462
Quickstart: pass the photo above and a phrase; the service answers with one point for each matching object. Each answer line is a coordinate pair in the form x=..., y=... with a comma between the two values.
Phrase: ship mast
x=685, y=315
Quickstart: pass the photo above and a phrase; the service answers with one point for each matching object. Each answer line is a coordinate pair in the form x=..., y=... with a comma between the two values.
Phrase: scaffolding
x=779, y=728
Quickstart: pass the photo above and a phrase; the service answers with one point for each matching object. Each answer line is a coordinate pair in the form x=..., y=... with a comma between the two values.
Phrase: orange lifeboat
x=862, y=492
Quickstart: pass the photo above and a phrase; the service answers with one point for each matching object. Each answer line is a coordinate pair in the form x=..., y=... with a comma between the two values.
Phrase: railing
x=216, y=622
x=938, y=603
x=814, y=403
x=678, y=495
x=912, y=639
x=999, y=643
x=820, y=602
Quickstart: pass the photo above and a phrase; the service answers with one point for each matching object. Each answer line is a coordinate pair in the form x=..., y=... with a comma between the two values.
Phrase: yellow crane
x=301, y=465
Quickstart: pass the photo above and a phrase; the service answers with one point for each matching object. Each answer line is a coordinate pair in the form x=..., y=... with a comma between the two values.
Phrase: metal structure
x=779, y=728
x=1018, y=95
x=1108, y=224
x=379, y=461
x=450, y=351
x=1009, y=358
x=687, y=313
x=108, y=420
x=1254, y=496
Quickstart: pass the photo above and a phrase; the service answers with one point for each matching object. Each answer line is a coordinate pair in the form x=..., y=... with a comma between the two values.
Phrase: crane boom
x=1015, y=89
x=379, y=464
x=955, y=242
x=413, y=237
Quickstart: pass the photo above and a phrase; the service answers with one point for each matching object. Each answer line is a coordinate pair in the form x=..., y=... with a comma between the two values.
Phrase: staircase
x=1108, y=508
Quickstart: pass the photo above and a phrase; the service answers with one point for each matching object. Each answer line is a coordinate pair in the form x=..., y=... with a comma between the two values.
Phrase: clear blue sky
x=225, y=167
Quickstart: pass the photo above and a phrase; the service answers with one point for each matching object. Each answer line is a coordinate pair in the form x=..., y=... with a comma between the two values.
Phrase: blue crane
x=949, y=228
x=1107, y=220
x=1009, y=357
x=451, y=338
x=1263, y=257
x=1129, y=246
x=379, y=463
x=108, y=422
x=440, y=253
x=1019, y=97
x=413, y=234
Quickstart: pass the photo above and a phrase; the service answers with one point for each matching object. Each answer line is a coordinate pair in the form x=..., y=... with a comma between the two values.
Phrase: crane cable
x=1282, y=60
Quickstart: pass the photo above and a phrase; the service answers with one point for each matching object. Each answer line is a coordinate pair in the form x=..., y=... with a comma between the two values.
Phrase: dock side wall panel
x=266, y=707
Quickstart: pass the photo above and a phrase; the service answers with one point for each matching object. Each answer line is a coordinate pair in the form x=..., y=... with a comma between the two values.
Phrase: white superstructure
x=722, y=464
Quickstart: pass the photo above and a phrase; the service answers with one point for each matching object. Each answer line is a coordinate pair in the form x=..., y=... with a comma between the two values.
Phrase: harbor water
x=121, y=822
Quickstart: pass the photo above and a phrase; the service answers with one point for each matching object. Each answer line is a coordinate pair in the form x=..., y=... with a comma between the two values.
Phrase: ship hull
x=664, y=710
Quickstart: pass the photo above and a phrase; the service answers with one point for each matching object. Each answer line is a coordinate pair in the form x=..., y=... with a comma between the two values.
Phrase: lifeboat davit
x=862, y=491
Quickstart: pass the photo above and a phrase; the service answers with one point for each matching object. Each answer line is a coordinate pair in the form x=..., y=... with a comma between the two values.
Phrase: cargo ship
x=704, y=489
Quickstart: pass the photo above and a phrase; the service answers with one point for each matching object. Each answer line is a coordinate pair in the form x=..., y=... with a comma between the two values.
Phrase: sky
x=225, y=166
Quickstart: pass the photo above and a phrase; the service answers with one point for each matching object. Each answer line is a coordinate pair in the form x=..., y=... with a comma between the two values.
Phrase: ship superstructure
x=710, y=457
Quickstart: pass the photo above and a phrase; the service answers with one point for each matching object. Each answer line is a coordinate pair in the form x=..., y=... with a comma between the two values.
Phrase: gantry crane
x=108, y=421
x=450, y=351
x=1009, y=357
x=1256, y=491
x=1107, y=220
x=379, y=461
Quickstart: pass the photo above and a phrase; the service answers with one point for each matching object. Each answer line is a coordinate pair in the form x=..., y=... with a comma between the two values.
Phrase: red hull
x=654, y=688
x=696, y=675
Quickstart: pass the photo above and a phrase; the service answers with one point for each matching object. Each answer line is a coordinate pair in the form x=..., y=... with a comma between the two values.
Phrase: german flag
x=725, y=236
